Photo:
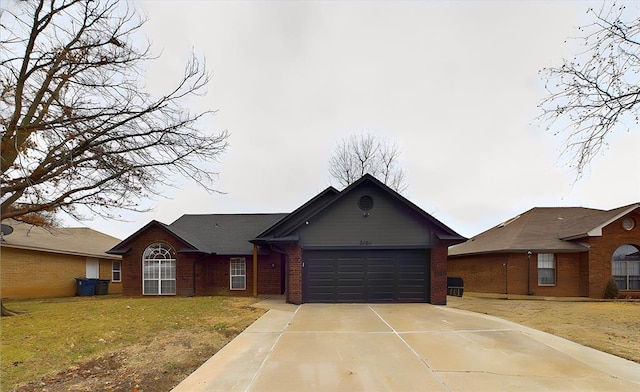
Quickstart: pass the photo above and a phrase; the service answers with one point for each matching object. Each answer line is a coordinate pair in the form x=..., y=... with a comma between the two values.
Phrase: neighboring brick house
x=37, y=262
x=366, y=243
x=561, y=251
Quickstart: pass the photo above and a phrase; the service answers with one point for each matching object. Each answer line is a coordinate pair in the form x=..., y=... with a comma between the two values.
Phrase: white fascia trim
x=597, y=231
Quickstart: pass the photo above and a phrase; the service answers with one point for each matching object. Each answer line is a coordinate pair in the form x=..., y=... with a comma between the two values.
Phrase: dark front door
x=366, y=276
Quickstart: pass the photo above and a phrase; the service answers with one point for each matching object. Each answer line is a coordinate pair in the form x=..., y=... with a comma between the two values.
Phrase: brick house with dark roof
x=555, y=251
x=365, y=243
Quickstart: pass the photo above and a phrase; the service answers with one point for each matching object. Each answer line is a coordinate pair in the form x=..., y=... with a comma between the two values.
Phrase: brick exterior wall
x=294, y=278
x=577, y=274
x=487, y=274
x=481, y=273
x=270, y=271
x=601, y=254
x=212, y=275
x=132, y=262
x=35, y=274
x=439, y=273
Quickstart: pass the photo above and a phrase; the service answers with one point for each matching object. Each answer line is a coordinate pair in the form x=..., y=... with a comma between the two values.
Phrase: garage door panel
x=366, y=276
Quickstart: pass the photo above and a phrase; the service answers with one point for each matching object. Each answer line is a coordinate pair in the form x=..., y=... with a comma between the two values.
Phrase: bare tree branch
x=79, y=133
x=360, y=154
x=598, y=90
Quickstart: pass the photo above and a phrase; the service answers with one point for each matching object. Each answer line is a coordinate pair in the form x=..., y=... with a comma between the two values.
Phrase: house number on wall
x=365, y=243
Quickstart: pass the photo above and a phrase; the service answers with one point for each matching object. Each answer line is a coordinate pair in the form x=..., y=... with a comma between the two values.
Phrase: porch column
x=255, y=270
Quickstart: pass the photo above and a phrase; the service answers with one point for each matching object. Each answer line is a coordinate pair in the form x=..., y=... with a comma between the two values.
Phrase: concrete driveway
x=403, y=347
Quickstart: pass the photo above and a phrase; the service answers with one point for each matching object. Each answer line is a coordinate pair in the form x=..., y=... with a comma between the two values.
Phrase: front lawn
x=115, y=343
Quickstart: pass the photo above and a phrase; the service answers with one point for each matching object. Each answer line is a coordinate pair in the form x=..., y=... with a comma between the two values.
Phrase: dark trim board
x=362, y=276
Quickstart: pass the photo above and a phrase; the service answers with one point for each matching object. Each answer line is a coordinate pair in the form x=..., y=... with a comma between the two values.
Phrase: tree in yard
x=598, y=90
x=79, y=133
x=360, y=154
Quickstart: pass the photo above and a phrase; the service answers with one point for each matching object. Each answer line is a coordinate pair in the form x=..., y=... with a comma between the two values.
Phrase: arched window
x=158, y=270
x=625, y=267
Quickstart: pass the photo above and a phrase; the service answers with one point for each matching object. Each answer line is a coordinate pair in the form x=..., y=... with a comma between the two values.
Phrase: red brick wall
x=132, y=261
x=481, y=274
x=439, y=273
x=213, y=275
x=583, y=285
x=211, y=272
x=269, y=274
x=568, y=275
x=486, y=274
x=294, y=277
x=601, y=253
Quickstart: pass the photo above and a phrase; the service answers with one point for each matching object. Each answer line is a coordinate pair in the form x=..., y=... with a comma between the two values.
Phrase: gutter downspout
x=255, y=270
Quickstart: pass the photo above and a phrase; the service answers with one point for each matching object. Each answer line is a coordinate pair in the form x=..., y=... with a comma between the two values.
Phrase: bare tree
x=364, y=153
x=599, y=89
x=79, y=132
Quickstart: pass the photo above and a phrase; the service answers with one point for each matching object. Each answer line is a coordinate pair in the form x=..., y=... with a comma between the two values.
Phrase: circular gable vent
x=628, y=224
x=365, y=203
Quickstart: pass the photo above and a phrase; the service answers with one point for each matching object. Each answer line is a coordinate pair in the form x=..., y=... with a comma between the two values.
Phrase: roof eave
x=580, y=249
x=106, y=255
x=275, y=240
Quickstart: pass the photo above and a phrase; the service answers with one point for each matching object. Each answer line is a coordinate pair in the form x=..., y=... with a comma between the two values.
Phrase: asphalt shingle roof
x=224, y=234
x=81, y=241
x=541, y=228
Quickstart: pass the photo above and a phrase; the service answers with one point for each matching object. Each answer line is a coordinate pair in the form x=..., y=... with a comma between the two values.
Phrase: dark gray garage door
x=366, y=276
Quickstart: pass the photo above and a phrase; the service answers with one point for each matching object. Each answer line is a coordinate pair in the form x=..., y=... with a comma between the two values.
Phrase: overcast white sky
x=454, y=84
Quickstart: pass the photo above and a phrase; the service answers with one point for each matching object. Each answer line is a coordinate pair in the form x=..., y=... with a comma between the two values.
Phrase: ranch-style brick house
x=365, y=243
x=38, y=262
x=556, y=251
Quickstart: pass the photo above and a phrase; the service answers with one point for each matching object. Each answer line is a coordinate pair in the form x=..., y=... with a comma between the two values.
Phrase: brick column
x=294, y=274
x=439, y=255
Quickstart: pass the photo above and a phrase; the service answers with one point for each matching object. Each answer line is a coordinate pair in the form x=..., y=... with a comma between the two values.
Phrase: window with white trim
x=546, y=269
x=238, y=273
x=116, y=272
x=158, y=270
x=625, y=267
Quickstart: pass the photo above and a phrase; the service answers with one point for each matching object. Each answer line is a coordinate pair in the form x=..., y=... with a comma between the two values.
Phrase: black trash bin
x=85, y=287
x=102, y=286
x=455, y=286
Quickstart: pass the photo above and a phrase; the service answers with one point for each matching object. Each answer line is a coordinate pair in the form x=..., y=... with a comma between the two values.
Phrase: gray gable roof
x=550, y=229
x=223, y=234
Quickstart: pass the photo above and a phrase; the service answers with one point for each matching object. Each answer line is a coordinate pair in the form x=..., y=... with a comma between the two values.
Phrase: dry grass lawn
x=609, y=326
x=111, y=343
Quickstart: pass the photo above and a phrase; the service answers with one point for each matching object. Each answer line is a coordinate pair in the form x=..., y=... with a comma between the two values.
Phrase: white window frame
x=547, y=261
x=159, y=266
x=116, y=271
x=626, y=271
x=237, y=269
